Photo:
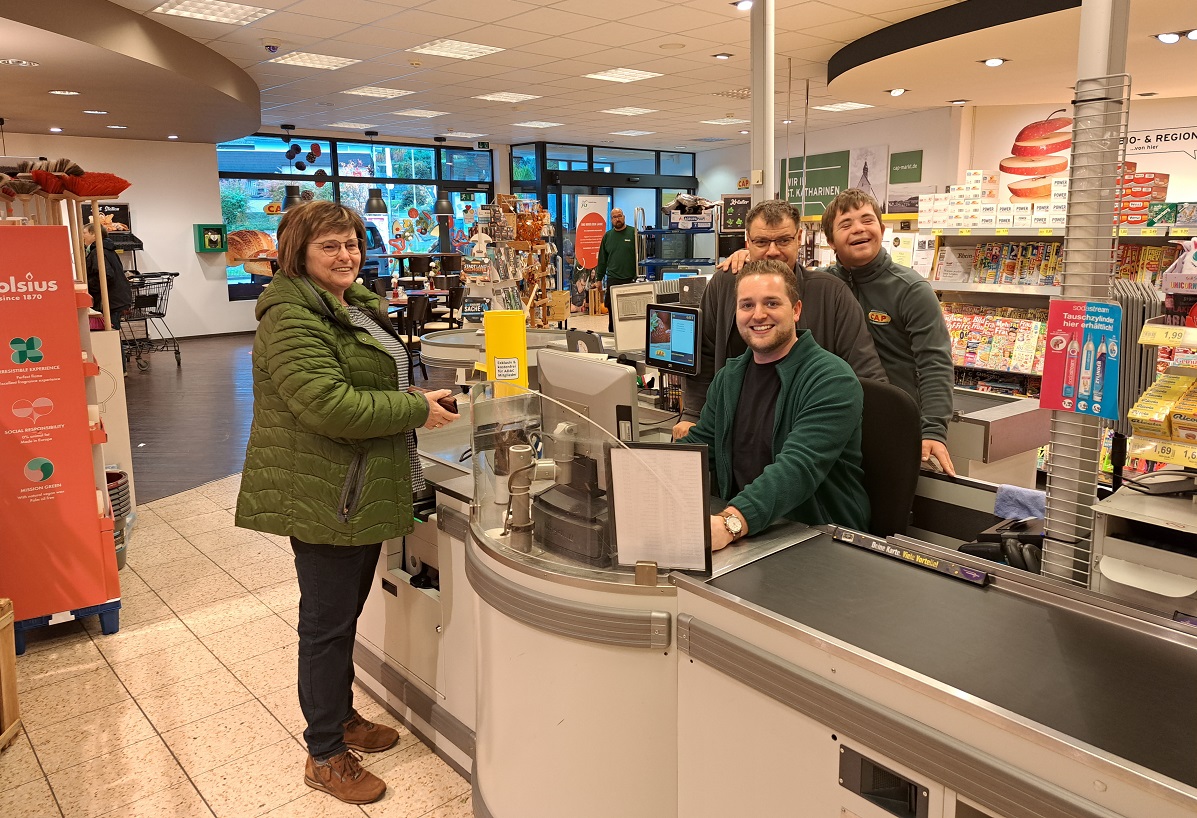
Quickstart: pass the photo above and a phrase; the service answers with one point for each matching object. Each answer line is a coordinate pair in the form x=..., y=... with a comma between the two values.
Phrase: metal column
x=1101, y=110
x=764, y=169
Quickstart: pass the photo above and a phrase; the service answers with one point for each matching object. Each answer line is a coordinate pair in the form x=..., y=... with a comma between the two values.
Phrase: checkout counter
x=815, y=672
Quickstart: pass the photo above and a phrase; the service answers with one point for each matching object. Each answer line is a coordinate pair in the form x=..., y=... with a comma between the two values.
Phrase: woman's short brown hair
x=302, y=223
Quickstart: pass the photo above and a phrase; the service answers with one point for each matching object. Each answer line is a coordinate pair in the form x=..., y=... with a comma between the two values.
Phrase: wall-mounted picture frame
x=211, y=238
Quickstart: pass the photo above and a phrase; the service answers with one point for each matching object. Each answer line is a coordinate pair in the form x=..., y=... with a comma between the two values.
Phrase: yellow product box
x=1185, y=382
x=1184, y=419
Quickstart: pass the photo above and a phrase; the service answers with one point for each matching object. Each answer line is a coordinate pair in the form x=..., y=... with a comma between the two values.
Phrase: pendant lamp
x=292, y=196
x=374, y=201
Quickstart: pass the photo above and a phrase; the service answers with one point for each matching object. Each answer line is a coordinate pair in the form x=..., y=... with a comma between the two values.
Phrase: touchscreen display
x=673, y=338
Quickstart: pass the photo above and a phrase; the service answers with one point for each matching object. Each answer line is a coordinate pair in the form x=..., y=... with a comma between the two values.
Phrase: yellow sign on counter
x=506, y=334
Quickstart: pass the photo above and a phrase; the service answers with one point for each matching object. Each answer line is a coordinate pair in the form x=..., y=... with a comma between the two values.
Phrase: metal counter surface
x=1104, y=684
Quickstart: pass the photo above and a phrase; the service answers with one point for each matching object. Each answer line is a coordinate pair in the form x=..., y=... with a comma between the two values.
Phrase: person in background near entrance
x=829, y=311
x=617, y=259
x=903, y=313
x=120, y=294
x=332, y=464
x=782, y=420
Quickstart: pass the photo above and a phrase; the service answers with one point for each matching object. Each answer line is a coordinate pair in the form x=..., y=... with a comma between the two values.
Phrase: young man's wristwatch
x=733, y=525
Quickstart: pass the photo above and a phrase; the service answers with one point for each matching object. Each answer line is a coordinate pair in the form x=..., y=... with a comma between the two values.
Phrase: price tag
x=1046, y=231
x=1149, y=231
x=1124, y=231
x=1180, y=231
x=1161, y=335
x=965, y=231
x=936, y=231
x=1002, y=231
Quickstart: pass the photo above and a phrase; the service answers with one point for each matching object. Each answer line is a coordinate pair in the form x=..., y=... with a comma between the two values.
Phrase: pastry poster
x=1080, y=365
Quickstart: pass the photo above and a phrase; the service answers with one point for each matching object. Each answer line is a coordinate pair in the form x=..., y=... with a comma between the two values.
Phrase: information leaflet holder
x=658, y=507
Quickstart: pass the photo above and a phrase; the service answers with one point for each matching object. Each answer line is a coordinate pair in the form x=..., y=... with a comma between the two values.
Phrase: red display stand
x=57, y=559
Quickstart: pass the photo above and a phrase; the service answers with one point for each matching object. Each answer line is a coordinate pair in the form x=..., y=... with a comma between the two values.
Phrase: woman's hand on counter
x=438, y=416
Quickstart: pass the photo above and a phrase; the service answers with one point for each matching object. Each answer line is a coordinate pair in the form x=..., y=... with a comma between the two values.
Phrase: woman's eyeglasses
x=332, y=248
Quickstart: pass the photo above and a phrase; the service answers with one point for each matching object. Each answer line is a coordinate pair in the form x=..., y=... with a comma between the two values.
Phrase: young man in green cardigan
x=782, y=421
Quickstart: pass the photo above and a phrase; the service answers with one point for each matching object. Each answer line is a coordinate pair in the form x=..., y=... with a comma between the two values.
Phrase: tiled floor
x=191, y=709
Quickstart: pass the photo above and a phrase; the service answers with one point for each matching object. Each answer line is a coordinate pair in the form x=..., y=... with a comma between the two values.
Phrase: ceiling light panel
x=629, y=111
x=455, y=49
x=631, y=133
x=214, y=11
x=353, y=126
x=622, y=75
x=96, y=113
x=727, y=120
x=377, y=91
x=420, y=113
x=462, y=135
x=65, y=93
x=536, y=123
x=841, y=106
x=506, y=96
x=305, y=59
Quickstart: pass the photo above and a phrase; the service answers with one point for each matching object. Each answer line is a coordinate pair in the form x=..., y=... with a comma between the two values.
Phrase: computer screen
x=674, y=245
x=676, y=275
x=602, y=390
x=673, y=334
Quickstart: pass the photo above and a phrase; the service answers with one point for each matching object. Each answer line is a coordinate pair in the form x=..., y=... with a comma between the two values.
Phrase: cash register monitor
x=628, y=305
x=672, y=336
x=601, y=390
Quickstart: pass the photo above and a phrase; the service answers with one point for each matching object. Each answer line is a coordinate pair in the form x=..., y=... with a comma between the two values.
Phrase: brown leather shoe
x=344, y=778
x=368, y=737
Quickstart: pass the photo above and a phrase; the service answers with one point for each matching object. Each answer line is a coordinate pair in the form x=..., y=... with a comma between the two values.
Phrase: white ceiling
x=549, y=46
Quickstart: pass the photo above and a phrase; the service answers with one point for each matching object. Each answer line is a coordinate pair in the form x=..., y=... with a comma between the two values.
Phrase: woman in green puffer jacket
x=331, y=463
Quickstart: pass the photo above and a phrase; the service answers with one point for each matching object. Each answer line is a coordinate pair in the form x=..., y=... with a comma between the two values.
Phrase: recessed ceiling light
x=622, y=75
x=97, y=113
x=897, y=92
x=66, y=93
x=377, y=91
x=455, y=49
x=419, y=113
x=1148, y=94
x=506, y=96
x=957, y=101
x=118, y=127
x=19, y=63
x=306, y=59
x=842, y=106
x=536, y=123
x=743, y=132
x=462, y=135
x=631, y=133
x=1168, y=37
x=213, y=10
x=787, y=121
x=173, y=136
x=743, y=5
x=722, y=55
x=629, y=111
x=56, y=130
x=994, y=62
x=353, y=126
x=727, y=120
x=671, y=46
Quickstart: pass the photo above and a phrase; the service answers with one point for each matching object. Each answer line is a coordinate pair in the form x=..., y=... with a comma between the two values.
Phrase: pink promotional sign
x=592, y=225
x=1080, y=364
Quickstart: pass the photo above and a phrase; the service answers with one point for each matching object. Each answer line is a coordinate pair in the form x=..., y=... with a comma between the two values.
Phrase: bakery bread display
x=245, y=245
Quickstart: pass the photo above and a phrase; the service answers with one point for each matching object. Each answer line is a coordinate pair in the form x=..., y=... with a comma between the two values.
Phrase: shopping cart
x=143, y=325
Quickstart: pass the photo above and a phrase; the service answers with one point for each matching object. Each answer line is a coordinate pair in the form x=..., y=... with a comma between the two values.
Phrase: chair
x=414, y=316
x=419, y=265
x=382, y=286
x=411, y=283
x=456, y=299
x=891, y=447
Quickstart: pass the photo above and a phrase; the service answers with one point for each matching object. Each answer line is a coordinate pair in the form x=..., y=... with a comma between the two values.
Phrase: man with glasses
x=833, y=317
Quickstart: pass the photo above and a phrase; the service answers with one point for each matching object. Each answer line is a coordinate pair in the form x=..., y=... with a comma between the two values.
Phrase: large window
x=614, y=160
x=523, y=163
x=255, y=170
x=566, y=157
x=677, y=164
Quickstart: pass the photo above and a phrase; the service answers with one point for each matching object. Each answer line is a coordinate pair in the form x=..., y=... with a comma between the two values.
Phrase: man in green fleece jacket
x=782, y=421
x=617, y=259
x=903, y=314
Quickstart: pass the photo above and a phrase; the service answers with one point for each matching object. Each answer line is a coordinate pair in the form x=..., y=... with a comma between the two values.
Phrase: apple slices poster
x=1039, y=154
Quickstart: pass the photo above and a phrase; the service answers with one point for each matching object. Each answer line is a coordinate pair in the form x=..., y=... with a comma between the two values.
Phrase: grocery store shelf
x=1164, y=451
x=1007, y=289
x=999, y=371
x=994, y=232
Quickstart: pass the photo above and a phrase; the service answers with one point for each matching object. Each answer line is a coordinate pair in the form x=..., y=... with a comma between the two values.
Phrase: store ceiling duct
x=374, y=201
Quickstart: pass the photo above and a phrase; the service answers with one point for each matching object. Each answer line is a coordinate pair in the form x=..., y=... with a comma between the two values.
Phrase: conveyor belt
x=1109, y=686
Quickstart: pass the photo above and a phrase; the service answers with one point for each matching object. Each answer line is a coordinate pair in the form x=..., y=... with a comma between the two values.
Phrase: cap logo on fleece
x=878, y=317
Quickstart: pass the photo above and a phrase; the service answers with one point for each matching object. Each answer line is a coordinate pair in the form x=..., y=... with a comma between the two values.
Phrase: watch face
x=732, y=523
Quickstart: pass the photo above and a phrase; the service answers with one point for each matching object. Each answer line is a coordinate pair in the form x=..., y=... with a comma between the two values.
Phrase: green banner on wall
x=905, y=167
x=826, y=175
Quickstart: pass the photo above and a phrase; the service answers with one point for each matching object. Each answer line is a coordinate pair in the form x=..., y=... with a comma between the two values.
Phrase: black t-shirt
x=752, y=432
x=736, y=345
